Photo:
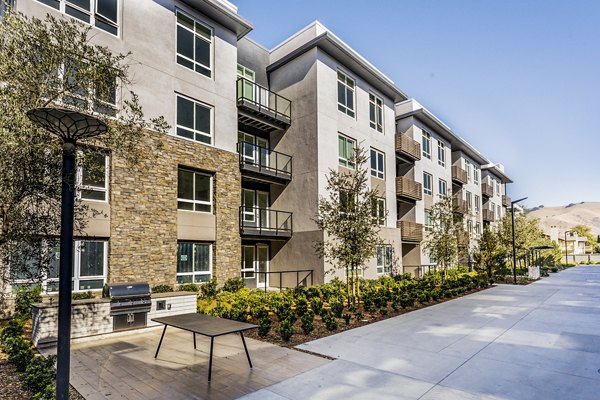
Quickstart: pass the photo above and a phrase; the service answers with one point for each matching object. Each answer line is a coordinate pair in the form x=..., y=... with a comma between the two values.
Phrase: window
x=427, y=183
x=469, y=170
x=376, y=112
x=85, y=92
x=345, y=94
x=469, y=227
x=498, y=211
x=477, y=228
x=27, y=269
x=442, y=188
x=469, y=201
x=194, y=120
x=346, y=151
x=426, y=142
x=476, y=176
x=103, y=14
x=497, y=188
x=384, y=259
x=428, y=222
x=194, y=44
x=90, y=264
x=379, y=211
x=377, y=164
x=441, y=154
x=93, y=178
x=194, y=191
x=477, y=202
x=193, y=262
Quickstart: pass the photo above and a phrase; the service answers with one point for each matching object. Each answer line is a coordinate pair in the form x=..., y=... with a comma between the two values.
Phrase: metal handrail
x=285, y=169
x=263, y=98
x=297, y=272
x=282, y=220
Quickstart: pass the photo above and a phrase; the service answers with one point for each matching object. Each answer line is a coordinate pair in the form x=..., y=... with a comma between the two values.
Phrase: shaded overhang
x=493, y=169
x=224, y=15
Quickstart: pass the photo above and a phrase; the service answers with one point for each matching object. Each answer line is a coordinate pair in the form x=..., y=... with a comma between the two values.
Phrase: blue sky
x=519, y=80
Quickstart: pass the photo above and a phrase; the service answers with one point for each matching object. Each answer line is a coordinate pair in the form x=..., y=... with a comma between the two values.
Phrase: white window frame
x=44, y=280
x=476, y=175
x=426, y=144
x=477, y=228
x=348, y=88
x=383, y=259
x=469, y=200
x=81, y=187
x=343, y=161
x=194, y=273
x=379, y=211
x=196, y=37
x=469, y=170
x=77, y=277
x=427, y=222
x=377, y=103
x=379, y=171
x=92, y=13
x=209, y=135
x=194, y=201
x=444, y=184
x=441, y=153
x=428, y=190
x=477, y=203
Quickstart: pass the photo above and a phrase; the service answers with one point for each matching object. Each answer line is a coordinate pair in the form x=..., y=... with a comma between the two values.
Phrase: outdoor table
x=205, y=325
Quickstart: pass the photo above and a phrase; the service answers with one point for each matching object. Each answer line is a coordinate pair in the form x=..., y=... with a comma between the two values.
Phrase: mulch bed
x=321, y=331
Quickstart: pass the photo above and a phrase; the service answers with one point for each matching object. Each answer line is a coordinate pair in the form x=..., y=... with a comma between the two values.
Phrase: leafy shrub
x=209, y=289
x=347, y=317
x=316, y=304
x=337, y=308
x=24, y=298
x=14, y=328
x=19, y=352
x=239, y=312
x=188, y=287
x=307, y=321
x=264, y=325
x=39, y=373
x=49, y=393
x=330, y=321
x=383, y=310
x=82, y=295
x=162, y=289
x=554, y=269
x=286, y=329
x=301, y=306
x=234, y=284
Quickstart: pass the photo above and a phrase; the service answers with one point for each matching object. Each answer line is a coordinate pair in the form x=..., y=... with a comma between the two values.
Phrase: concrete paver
x=540, y=341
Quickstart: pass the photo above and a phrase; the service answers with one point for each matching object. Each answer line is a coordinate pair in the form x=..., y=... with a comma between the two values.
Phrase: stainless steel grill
x=129, y=304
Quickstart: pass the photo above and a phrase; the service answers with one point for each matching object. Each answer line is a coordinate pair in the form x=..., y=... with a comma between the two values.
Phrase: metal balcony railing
x=406, y=187
x=263, y=100
x=410, y=231
x=487, y=190
x=506, y=200
x=459, y=174
x=460, y=205
x=264, y=222
x=488, y=215
x=407, y=146
x=260, y=160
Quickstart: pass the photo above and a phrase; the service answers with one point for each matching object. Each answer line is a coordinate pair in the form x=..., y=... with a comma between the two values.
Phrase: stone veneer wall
x=143, y=199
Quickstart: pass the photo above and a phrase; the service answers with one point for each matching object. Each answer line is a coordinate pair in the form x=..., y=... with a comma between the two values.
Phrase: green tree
x=489, y=255
x=346, y=217
x=46, y=63
x=448, y=238
x=584, y=230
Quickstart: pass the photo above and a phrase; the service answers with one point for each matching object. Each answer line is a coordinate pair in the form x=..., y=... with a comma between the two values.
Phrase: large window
x=477, y=203
x=376, y=112
x=345, y=94
x=194, y=191
x=379, y=211
x=428, y=222
x=441, y=154
x=427, y=184
x=103, y=14
x=377, y=164
x=346, y=151
x=90, y=264
x=469, y=201
x=469, y=169
x=193, y=262
x=194, y=44
x=194, y=120
x=476, y=176
x=384, y=259
x=26, y=268
x=443, y=188
x=93, y=95
x=93, y=178
x=426, y=144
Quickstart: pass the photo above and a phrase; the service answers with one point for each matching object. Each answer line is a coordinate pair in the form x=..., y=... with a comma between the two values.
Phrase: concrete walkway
x=540, y=341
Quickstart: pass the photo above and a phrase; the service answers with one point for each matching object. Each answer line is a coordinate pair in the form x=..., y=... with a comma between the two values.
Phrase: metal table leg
x=246, y=348
x=212, y=341
x=160, y=343
x=194, y=340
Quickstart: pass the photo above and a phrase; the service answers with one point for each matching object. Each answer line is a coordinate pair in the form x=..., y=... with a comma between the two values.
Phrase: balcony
x=410, y=231
x=460, y=205
x=264, y=223
x=408, y=188
x=260, y=164
x=459, y=175
x=488, y=215
x=408, y=147
x=487, y=190
x=506, y=201
x=261, y=108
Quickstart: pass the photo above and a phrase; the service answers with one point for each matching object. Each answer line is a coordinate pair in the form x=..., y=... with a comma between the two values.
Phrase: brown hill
x=566, y=217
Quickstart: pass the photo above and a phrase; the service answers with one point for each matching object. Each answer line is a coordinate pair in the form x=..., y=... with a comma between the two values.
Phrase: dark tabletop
x=204, y=324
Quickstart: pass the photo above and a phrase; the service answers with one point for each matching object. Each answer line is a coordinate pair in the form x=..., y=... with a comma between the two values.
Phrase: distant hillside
x=586, y=213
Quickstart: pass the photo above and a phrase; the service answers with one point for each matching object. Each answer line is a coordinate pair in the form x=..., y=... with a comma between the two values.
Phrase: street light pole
x=512, y=211
x=69, y=126
x=566, y=251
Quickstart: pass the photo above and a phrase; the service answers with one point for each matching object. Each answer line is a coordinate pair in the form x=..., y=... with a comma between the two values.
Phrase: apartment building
x=233, y=188
x=493, y=188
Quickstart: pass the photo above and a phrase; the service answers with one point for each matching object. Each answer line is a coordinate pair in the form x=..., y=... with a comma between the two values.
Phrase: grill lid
x=128, y=290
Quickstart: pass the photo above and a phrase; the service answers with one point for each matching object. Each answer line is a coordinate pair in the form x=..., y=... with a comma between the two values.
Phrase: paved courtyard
x=540, y=341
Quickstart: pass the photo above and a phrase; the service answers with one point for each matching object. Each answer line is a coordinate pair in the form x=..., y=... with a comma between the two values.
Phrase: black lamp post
x=70, y=126
x=566, y=248
x=512, y=211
